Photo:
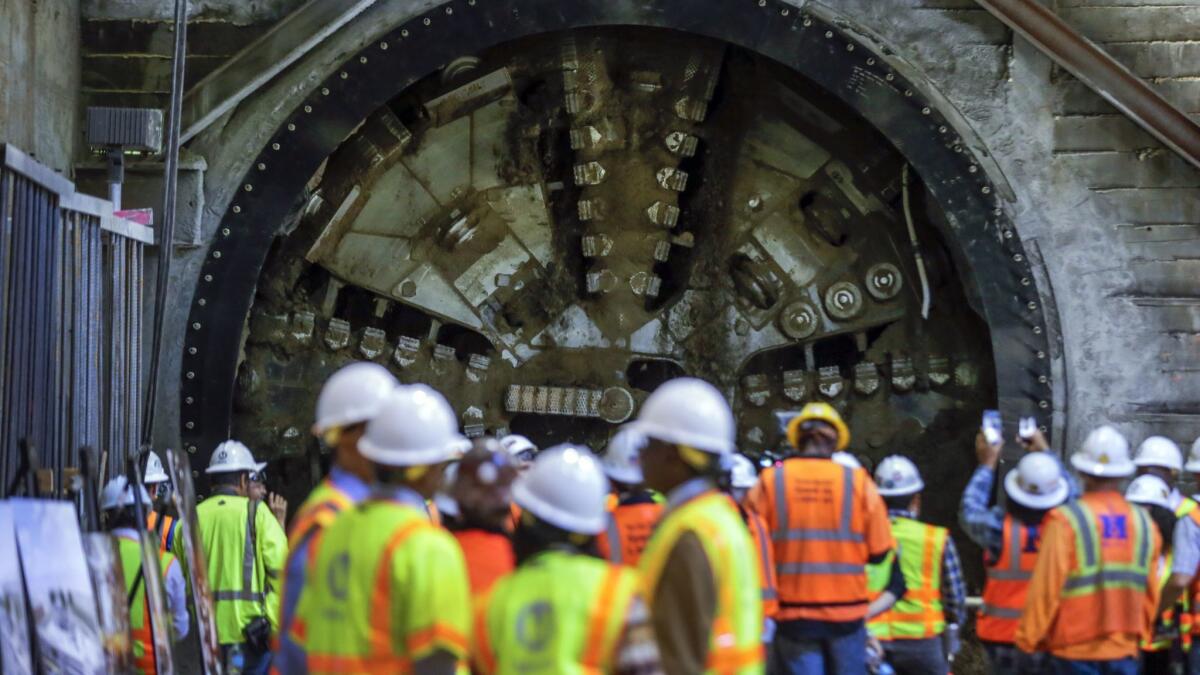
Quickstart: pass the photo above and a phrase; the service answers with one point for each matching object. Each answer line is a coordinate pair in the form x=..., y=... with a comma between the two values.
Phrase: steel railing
x=71, y=283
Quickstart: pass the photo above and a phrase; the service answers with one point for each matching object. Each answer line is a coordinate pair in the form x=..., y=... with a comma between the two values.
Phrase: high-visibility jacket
x=1189, y=508
x=166, y=534
x=140, y=631
x=629, y=528
x=819, y=530
x=245, y=580
x=558, y=613
x=918, y=615
x=766, y=560
x=386, y=590
x=1174, y=624
x=735, y=639
x=1105, y=593
x=1007, y=582
x=489, y=557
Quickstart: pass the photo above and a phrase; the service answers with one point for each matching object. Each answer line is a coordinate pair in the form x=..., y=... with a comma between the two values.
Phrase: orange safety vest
x=1104, y=594
x=489, y=557
x=819, y=539
x=164, y=535
x=766, y=561
x=1194, y=589
x=1008, y=582
x=630, y=527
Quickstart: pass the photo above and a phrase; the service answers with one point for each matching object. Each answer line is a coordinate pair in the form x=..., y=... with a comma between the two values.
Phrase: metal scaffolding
x=71, y=284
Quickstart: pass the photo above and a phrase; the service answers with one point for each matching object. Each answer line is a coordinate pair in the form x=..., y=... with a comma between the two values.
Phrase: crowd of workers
x=425, y=552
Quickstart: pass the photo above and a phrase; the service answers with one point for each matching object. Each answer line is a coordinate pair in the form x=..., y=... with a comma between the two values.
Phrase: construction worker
x=563, y=610
x=1184, y=580
x=522, y=451
x=1009, y=538
x=482, y=492
x=388, y=590
x=1165, y=651
x=743, y=476
x=1094, y=592
x=157, y=521
x=1160, y=456
x=920, y=632
x=827, y=522
x=121, y=520
x=350, y=397
x=699, y=568
x=244, y=579
x=632, y=518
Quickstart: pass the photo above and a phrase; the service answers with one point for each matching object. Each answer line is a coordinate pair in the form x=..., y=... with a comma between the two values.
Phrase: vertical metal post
x=166, y=238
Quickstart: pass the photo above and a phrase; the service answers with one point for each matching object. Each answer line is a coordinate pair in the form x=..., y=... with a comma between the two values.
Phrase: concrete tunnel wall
x=1111, y=219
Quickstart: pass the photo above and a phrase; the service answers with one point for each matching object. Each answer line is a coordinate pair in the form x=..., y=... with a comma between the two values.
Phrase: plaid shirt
x=954, y=589
x=984, y=522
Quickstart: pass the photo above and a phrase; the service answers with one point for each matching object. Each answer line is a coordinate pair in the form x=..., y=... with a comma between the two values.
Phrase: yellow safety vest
x=918, y=615
x=735, y=639
x=558, y=613
x=387, y=588
x=140, y=632
x=245, y=580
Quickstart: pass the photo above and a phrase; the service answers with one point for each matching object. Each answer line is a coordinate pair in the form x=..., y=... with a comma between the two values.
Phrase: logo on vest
x=338, y=576
x=535, y=626
x=1113, y=527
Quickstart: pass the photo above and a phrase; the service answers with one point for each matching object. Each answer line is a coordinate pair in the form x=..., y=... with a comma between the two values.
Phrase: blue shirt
x=291, y=657
x=984, y=522
x=954, y=589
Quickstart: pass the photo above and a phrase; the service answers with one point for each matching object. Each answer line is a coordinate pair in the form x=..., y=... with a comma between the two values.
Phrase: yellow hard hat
x=822, y=412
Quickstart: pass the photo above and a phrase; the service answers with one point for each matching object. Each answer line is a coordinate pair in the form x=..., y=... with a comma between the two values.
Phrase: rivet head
x=383, y=46
x=308, y=108
x=216, y=254
x=908, y=93
x=1031, y=305
x=190, y=424
x=1043, y=404
x=248, y=187
x=191, y=350
x=1041, y=355
x=1017, y=257
x=344, y=75
x=202, y=302
x=1008, y=234
x=889, y=77
x=807, y=21
x=192, y=451
x=237, y=209
x=427, y=21
x=362, y=59
x=973, y=169
x=275, y=146
x=926, y=111
x=324, y=91
x=1025, y=281
x=828, y=34
x=942, y=129
x=225, y=231
x=1042, y=379
x=1037, y=330
x=871, y=61
x=986, y=190
x=403, y=32
x=784, y=12
x=291, y=127
x=208, y=277
x=196, y=325
x=849, y=48
x=189, y=400
x=450, y=10
x=191, y=374
x=262, y=166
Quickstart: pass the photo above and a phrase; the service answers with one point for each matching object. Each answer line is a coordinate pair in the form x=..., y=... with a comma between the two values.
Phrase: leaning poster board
x=59, y=586
x=189, y=548
x=108, y=579
x=15, y=653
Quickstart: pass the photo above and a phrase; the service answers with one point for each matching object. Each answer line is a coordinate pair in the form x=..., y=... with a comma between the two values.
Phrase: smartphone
x=1026, y=428
x=991, y=426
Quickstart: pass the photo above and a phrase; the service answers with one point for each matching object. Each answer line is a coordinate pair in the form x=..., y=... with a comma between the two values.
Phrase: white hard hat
x=1149, y=490
x=231, y=456
x=566, y=488
x=516, y=445
x=1193, y=463
x=622, y=460
x=442, y=499
x=352, y=395
x=1159, y=451
x=846, y=459
x=897, y=476
x=415, y=426
x=742, y=475
x=1037, y=482
x=1104, y=454
x=154, y=471
x=691, y=412
x=117, y=494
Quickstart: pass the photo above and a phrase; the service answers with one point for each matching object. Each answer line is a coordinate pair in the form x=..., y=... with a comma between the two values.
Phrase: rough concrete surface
x=39, y=79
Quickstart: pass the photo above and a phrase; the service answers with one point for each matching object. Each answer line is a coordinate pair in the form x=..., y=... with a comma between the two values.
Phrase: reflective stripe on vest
x=1105, y=591
x=845, y=531
x=758, y=532
x=249, y=557
x=318, y=515
x=140, y=630
x=529, y=625
x=735, y=638
x=918, y=614
x=1007, y=582
x=1166, y=629
x=629, y=528
x=164, y=532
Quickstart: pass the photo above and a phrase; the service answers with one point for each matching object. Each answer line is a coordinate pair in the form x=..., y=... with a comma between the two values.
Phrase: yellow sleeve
x=434, y=610
x=272, y=552
x=1154, y=587
x=1054, y=563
